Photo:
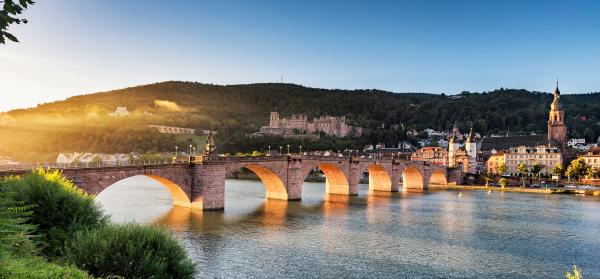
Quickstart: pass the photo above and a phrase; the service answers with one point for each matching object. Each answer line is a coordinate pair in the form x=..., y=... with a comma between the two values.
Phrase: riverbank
x=521, y=190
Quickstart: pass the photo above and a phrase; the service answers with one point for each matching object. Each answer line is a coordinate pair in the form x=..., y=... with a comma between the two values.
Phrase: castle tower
x=274, y=121
x=557, y=130
x=471, y=146
x=452, y=149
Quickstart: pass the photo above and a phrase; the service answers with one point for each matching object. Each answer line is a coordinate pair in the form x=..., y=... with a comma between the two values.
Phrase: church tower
x=557, y=131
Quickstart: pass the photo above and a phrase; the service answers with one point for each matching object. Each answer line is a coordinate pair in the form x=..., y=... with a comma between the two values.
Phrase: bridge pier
x=208, y=190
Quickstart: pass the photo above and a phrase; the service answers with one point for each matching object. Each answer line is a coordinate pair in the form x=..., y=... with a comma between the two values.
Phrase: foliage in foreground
x=35, y=267
x=131, y=251
x=576, y=273
x=60, y=208
x=14, y=229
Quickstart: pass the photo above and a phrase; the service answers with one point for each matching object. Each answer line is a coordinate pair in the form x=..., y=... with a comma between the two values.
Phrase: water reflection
x=431, y=234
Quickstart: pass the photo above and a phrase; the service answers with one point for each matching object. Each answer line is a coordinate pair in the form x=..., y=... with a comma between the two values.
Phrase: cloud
x=172, y=106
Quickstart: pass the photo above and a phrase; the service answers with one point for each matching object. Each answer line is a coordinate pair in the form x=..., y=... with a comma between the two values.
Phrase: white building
x=173, y=130
x=120, y=111
x=546, y=156
x=90, y=158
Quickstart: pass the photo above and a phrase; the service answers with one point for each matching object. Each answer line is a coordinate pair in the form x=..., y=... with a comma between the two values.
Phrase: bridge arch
x=336, y=180
x=178, y=195
x=273, y=182
x=379, y=178
x=438, y=177
x=413, y=178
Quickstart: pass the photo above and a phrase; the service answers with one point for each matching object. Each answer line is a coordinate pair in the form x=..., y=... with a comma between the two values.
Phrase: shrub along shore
x=49, y=228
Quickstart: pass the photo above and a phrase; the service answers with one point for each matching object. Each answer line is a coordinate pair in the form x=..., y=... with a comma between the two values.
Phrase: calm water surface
x=434, y=234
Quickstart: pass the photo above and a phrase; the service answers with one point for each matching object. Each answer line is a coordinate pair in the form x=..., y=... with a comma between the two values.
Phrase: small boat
x=459, y=194
x=489, y=191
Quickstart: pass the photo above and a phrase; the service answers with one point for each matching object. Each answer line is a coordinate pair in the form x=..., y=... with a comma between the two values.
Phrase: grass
x=35, y=267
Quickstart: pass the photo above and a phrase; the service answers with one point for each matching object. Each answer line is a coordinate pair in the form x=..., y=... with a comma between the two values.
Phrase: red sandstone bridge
x=200, y=183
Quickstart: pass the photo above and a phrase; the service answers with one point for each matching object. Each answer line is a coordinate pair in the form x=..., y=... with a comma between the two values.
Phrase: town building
x=120, y=111
x=544, y=155
x=299, y=124
x=466, y=156
x=592, y=157
x=496, y=161
x=433, y=155
x=555, y=139
x=173, y=130
x=92, y=158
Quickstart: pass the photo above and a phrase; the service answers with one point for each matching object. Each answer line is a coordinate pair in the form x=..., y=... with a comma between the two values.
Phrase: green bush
x=131, y=251
x=60, y=208
x=34, y=268
x=15, y=233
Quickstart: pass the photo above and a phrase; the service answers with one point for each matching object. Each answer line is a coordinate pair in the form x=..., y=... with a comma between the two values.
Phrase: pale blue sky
x=75, y=47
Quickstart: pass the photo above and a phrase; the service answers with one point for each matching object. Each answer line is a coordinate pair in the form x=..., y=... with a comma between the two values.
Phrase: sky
x=78, y=47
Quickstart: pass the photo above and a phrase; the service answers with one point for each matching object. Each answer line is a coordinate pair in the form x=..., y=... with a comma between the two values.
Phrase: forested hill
x=235, y=110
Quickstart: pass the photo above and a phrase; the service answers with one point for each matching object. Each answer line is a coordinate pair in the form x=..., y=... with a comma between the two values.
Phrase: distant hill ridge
x=81, y=123
x=521, y=110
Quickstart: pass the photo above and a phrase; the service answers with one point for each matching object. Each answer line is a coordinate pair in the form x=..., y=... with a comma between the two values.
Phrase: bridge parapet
x=199, y=181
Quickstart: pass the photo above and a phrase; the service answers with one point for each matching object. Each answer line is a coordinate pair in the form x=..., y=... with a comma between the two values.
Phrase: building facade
x=434, y=155
x=299, y=124
x=120, y=111
x=592, y=157
x=495, y=162
x=173, y=130
x=465, y=157
x=546, y=156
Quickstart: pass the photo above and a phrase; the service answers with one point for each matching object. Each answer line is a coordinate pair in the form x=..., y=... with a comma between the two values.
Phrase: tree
x=488, y=178
x=577, y=168
x=522, y=168
x=593, y=172
x=558, y=170
x=9, y=15
x=536, y=168
x=502, y=169
x=503, y=182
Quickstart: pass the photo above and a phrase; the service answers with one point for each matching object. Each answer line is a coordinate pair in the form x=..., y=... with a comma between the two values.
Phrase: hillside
x=81, y=123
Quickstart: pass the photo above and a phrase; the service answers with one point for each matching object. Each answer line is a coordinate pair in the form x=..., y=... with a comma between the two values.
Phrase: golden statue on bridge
x=210, y=147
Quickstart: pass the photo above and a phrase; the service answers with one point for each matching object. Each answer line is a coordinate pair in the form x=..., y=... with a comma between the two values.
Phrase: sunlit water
x=415, y=235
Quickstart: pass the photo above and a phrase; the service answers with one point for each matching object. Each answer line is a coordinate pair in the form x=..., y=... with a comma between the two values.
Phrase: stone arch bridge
x=200, y=184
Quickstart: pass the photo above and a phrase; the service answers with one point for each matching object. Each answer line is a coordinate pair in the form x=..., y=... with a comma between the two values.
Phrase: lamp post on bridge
x=288, y=150
x=190, y=154
x=300, y=150
x=175, y=157
x=280, y=151
x=269, y=153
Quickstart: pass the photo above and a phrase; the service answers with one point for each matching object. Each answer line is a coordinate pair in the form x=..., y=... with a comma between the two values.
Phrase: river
x=434, y=234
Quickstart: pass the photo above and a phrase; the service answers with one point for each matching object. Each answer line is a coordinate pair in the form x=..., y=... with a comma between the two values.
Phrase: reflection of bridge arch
x=439, y=177
x=413, y=178
x=274, y=185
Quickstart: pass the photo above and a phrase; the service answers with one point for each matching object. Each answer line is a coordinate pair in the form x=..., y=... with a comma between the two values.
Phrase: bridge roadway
x=200, y=183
